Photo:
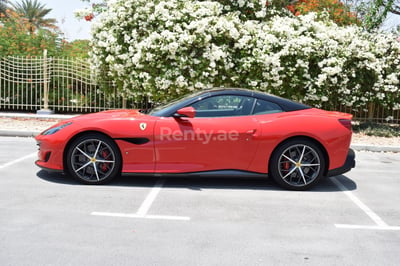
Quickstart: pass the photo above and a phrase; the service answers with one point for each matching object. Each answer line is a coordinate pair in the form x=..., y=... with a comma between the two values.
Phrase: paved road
x=52, y=220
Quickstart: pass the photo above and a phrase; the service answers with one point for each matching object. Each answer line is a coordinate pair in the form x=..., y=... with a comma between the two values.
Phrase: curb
x=372, y=148
x=35, y=116
x=15, y=133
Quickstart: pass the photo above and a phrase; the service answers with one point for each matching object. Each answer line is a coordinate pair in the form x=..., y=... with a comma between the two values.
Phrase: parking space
x=51, y=219
x=16, y=149
x=378, y=184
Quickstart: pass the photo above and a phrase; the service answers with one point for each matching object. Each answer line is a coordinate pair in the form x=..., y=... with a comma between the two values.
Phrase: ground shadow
x=199, y=183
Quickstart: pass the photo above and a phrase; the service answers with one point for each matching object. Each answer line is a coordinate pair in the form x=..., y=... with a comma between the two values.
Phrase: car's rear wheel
x=297, y=164
x=93, y=159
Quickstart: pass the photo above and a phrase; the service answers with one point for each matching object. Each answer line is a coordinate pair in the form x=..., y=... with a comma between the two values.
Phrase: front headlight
x=53, y=130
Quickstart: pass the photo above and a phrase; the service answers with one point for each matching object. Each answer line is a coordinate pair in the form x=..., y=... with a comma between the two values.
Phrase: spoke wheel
x=297, y=164
x=93, y=159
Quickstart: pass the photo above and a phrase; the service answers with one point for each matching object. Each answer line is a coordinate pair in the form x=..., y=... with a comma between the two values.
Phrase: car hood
x=110, y=114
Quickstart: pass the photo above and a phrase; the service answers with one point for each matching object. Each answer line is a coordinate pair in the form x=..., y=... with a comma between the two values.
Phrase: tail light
x=346, y=123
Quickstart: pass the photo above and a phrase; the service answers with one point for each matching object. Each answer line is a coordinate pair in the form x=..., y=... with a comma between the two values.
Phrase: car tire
x=93, y=159
x=297, y=164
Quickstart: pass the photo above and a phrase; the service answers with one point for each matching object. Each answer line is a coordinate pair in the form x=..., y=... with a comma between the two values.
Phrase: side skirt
x=217, y=173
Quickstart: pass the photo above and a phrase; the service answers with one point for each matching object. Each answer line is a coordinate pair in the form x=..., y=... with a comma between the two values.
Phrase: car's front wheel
x=297, y=164
x=93, y=159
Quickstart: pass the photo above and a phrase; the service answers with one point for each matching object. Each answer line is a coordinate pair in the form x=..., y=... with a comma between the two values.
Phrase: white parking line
x=359, y=203
x=18, y=160
x=135, y=215
x=370, y=227
x=145, y=207
x=380, y=224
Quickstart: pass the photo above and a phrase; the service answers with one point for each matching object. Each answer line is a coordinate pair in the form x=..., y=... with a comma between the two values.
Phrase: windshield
x=165, y=108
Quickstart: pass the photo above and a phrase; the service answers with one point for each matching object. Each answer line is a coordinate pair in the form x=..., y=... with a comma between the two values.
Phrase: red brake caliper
x=286, y=166
x=104, y=166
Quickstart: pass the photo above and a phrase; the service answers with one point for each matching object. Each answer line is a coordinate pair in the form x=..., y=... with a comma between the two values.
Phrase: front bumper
x=48, y=169
x=347, y=166
x=50, y=154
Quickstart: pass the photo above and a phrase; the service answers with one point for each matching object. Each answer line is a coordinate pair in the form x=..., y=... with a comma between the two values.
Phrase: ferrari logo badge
x=143, y=126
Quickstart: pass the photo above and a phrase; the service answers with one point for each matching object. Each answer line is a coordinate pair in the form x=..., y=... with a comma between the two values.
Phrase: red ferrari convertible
x=216, y=132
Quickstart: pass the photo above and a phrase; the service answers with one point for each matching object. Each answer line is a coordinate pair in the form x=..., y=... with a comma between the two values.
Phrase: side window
x=224, y=105
x=265, y=107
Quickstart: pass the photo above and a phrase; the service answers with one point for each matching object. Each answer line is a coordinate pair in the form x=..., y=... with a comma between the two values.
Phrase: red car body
x=183, y=144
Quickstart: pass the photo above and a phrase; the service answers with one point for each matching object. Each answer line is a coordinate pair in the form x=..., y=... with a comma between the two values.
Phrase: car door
x=222, y=136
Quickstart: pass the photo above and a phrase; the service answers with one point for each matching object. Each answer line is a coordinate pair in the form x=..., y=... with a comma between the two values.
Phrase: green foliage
x=77, y=48
x=27, y=36
x=16, y=38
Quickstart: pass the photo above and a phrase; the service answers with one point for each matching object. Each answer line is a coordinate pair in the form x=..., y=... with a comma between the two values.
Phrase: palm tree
x=3, y=7
x=35, y=12
x=396, y=7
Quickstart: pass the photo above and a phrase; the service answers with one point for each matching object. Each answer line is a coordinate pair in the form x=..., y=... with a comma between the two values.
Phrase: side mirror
x=186, y=112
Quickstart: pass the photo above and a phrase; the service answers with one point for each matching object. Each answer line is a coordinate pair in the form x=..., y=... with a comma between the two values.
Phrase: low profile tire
x=297, y=164
x=93, y=159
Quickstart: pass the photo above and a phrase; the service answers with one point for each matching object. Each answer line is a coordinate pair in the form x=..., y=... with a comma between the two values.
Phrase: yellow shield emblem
x=142, y=126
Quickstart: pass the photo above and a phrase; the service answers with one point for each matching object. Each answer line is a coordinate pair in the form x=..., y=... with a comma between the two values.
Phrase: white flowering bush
x=159, y=50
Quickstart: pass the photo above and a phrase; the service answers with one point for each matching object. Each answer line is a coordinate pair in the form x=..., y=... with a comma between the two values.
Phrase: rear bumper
x=348, y=164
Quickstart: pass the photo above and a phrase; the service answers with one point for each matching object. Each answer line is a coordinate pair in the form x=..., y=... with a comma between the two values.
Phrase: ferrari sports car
x=226, y=132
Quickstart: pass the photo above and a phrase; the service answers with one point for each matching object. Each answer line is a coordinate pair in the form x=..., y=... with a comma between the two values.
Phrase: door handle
x=251, y=131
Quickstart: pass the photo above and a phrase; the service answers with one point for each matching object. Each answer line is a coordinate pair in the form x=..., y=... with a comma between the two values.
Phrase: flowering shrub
x=338, y=12
x=159, y=50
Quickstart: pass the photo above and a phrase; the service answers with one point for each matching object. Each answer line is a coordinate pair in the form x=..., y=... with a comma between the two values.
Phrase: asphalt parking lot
x=49, y=219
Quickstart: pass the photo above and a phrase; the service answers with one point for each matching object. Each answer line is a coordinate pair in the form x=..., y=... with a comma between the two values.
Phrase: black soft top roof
x=285, y=104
